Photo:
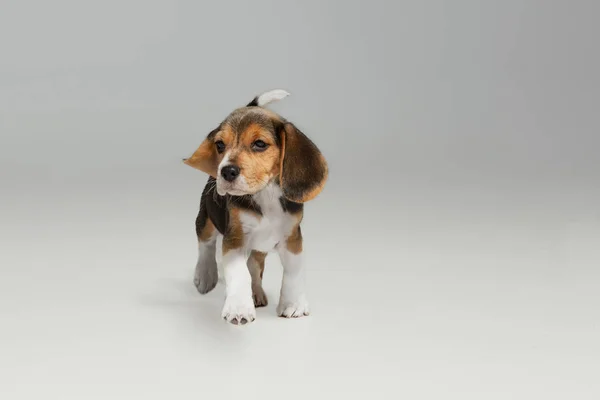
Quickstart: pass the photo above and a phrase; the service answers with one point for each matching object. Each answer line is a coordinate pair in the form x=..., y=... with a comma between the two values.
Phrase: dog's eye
x=220, y=146
x=259, y=145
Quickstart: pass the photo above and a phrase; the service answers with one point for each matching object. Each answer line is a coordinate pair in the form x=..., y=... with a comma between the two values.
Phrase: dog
x=262, y=169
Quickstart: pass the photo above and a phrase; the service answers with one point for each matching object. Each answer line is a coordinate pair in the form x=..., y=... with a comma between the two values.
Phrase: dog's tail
x=268, y=97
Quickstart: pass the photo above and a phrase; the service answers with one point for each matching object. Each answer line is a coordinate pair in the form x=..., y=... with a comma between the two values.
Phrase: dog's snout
x=230, y=172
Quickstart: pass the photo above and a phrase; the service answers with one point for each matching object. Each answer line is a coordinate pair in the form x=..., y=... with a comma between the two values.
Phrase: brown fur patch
x=227, y=135
x=204, y=158
x=254, y=131
x=259, y=260
x=207, y=231
x=234, y=236
x=256, y=265
x=294, y=241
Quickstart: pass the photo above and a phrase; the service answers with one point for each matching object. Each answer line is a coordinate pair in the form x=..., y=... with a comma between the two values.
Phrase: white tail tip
x=269, y=97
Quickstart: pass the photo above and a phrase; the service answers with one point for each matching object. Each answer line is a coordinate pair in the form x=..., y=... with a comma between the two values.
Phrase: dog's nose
x=230, y=172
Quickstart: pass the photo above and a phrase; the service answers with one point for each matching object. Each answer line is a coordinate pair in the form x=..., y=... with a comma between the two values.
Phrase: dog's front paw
x=239, y=309
x=205, y=277
x=205, y=284
x=293, y=308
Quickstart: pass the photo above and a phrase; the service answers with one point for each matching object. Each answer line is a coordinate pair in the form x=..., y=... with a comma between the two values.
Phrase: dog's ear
x=303, y=169
x=205, y=157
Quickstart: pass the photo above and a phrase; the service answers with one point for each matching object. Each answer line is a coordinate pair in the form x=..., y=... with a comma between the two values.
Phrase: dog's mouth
x=224, y=188
x=239, y=187
x=234, y=192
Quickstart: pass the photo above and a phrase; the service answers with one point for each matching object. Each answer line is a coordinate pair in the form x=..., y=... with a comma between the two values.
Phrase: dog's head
x=254, y=146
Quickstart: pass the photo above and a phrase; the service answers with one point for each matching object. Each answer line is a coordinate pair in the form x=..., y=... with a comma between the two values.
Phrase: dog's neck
x=269, y=198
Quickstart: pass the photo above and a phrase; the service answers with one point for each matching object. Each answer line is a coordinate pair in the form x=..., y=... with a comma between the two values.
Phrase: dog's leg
x=239, y=306
x=292, y=300
x=206, y=275
x=256, y=266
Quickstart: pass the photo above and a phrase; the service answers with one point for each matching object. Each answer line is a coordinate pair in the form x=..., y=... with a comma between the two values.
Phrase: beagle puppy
x=262, y=170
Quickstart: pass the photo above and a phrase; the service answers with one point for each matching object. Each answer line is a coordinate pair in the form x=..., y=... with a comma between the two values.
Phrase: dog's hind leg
x=256, y=266
x=206, y=275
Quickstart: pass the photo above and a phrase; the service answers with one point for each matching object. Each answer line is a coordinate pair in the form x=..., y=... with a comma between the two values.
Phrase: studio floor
x=452, y=292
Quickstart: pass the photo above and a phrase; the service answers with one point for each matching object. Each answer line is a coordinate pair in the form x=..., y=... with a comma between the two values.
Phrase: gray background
x=453, y=254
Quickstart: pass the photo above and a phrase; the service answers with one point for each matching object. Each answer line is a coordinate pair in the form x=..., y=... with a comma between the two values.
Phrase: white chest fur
x=264, y=232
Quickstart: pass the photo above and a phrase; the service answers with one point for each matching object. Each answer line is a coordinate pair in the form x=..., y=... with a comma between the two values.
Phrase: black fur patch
x=253, y=103
x=216, y=207
x=290, y=206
